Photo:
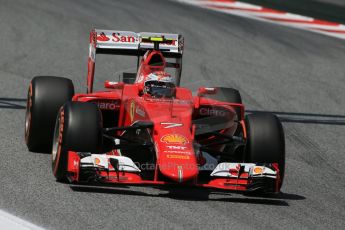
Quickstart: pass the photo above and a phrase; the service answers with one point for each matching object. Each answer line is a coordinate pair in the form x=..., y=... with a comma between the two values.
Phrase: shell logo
x=174, y=139
x=258, y=170
x=97, y=161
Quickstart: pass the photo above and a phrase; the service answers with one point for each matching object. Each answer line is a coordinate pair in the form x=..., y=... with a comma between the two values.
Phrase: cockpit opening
x=156, y=60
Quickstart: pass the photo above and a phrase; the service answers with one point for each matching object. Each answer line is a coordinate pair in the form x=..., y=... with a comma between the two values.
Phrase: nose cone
x=179, y=172
x=173, y=139
x=177, y=161
x=179, y=168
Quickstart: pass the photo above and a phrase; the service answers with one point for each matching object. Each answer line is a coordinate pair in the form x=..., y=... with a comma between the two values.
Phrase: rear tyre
x=45, y=97
x=228, y=95
x=265, y=141
x=78, y=128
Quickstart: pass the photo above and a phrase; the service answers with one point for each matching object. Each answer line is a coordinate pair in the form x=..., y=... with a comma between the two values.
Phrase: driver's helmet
x=159, y=84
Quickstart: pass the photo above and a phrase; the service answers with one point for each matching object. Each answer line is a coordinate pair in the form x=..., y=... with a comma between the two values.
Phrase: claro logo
x=213, y=112
x=108, y=105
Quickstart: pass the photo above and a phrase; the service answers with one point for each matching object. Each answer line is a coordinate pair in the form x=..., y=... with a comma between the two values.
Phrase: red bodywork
x=173, y=132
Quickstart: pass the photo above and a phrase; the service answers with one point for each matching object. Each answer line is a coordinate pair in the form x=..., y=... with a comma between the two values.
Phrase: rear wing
x=132, y=43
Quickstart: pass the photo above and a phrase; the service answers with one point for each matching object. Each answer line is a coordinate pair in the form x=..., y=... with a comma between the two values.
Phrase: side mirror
x=206, y=90
x=113, y=85
x=129, y=78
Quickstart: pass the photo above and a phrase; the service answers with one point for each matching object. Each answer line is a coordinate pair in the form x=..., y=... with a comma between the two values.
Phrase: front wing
x=114, y=169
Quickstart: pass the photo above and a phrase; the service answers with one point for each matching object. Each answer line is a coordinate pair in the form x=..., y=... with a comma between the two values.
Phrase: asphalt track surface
x=297, y=74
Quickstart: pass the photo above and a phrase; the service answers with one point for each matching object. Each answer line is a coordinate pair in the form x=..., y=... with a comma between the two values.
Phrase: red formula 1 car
x=148, y=130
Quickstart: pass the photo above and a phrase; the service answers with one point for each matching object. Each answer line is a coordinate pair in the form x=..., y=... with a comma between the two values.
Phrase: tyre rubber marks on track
x=274, y=16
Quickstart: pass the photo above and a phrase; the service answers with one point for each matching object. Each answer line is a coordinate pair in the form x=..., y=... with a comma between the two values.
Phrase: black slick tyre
x=46, y=95
x=228, y=95
x=265, y=141
x=78, y=128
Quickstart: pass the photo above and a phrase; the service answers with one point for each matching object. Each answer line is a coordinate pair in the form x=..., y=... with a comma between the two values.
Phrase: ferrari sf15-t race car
x=147, y=130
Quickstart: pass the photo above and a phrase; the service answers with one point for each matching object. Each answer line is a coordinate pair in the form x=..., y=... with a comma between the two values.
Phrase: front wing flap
x=245, y=177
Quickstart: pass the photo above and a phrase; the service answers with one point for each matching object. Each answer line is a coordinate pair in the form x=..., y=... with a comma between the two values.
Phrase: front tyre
x=265, y=141
x=78, y=128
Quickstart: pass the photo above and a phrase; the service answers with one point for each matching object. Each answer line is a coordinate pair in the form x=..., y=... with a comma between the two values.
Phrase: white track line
x=10, y=222
x=273, y=16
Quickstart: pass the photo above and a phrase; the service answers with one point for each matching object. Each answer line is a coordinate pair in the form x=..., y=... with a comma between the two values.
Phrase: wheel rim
x=28, y=117
x=56, y=140
x=27, y=121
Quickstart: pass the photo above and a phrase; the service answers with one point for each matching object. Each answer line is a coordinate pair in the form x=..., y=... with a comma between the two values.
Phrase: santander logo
x=119, y=38
x=102, y=38
x=116, y=37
